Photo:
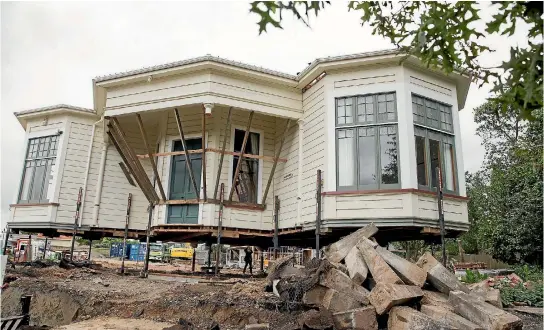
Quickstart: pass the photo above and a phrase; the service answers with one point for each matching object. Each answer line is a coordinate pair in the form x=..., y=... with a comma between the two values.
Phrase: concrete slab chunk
x=314, y=296
x=487, y=293
x=337, y=280
x=406, y=318
x=340, y=249
x=384, y=296
x=380, y=270
x=482, y=313
x=409, y=273
x=440, y=277
x=449, y=318
x=356, y=265
x=363, y=318
x=335, y=301
x=436, y=299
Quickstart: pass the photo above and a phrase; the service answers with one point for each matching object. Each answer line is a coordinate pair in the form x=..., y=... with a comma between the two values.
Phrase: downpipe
x=87, y=169
x=100, y=179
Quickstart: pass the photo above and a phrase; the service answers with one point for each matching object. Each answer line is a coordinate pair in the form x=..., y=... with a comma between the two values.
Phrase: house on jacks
x=197, y=143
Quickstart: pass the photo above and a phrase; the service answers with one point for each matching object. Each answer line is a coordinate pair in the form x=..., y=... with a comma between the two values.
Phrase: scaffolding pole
x=219, y=228
x=276, y=225
x=76, y=221
x=127, y=220
x=441, y=215
x=318, y=214
x=147, y=241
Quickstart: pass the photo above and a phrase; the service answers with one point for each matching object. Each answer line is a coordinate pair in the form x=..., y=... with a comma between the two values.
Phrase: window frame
x=260, y=163
x=356, y=126
x=443, y=136
x=54, y=158
x=425, y=121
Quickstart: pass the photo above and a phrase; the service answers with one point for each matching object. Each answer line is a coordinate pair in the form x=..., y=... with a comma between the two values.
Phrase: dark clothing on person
x=248, y=261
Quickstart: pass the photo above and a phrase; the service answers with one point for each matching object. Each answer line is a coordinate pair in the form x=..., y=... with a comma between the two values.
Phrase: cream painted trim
x=207, y=97
x=261, y=151
x=62, y=159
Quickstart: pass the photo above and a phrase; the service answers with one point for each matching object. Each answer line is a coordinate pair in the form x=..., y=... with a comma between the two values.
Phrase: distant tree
x=505, y=207
x=448, y=35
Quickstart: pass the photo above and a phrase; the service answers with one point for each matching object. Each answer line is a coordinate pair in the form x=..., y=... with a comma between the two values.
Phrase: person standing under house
x=248, y=260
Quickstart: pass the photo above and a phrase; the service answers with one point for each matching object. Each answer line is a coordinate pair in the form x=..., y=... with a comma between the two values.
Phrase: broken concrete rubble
x=406, y=318
x=384, y=296
x=409, y=273
x=436, y=299
x=335, y=279
x=487, y=293
x=340, y=249
x=439, y=276
x=449, y=318
x=335, y=301
x=356, y=265
x=363, y=318
x=380, y=270
x=482, y=313
x=314, y=296
x=316, y=320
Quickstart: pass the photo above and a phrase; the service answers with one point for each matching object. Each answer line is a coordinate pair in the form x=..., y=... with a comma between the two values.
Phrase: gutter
x=85, y=180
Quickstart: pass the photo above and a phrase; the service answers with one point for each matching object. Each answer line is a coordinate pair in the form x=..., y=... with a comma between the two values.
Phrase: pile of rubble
x=359, y=284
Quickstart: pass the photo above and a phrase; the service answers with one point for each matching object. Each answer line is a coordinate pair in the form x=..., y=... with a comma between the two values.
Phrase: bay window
x=434, y=142
x=39, y=161
x=367, y=142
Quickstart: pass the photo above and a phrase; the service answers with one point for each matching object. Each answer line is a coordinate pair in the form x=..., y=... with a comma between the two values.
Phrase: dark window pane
x=388, y=155
x=434, y=148
x=345, y=110
x=421, y=161
x=246, y=185
x=367, y=156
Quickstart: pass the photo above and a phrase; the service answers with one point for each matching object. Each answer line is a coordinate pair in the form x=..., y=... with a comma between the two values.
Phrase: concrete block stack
x=363, y=286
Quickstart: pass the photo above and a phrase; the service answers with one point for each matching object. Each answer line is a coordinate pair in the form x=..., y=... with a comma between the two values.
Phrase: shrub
x=473, y=276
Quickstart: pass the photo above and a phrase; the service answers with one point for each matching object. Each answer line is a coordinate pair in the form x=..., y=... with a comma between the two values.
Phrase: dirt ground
x=84, y=298
x=99, y=298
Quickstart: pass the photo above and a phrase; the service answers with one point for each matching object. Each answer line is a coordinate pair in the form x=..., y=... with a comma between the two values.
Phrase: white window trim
x=231, y=163
x=52, y=194
x=166, y=183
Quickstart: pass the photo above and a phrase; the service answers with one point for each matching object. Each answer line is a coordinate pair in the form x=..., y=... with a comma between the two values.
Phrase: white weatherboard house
x=377, y=126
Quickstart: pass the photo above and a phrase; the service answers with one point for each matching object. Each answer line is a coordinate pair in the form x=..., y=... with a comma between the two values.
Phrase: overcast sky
x=51, y=51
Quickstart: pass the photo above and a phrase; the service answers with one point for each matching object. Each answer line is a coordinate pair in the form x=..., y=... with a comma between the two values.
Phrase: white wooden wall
x=313, y=148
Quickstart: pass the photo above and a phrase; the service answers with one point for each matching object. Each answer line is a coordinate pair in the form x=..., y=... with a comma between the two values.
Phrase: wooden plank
x=181, y=202
x=187, y=158
x=149, y=152
x=130, y=155
x=263, y=200
x=130, y=168
x=241, y=158
x=204, y=153
x=222, y=152
x=197, y=151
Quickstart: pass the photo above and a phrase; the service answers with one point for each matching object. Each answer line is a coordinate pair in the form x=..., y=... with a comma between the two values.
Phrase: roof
x=207, y=58
x=344, y=58
x=54, y=107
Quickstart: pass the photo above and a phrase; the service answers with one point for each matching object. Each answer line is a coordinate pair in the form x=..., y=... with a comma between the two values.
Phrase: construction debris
x=448, y=317
x=339, y=250
x=360, y=282
x=356, y=265
x=439, y=276
x=482, y=313
x=363, y=318
x=406, y=318
x=384, y=296
x=380, y=270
